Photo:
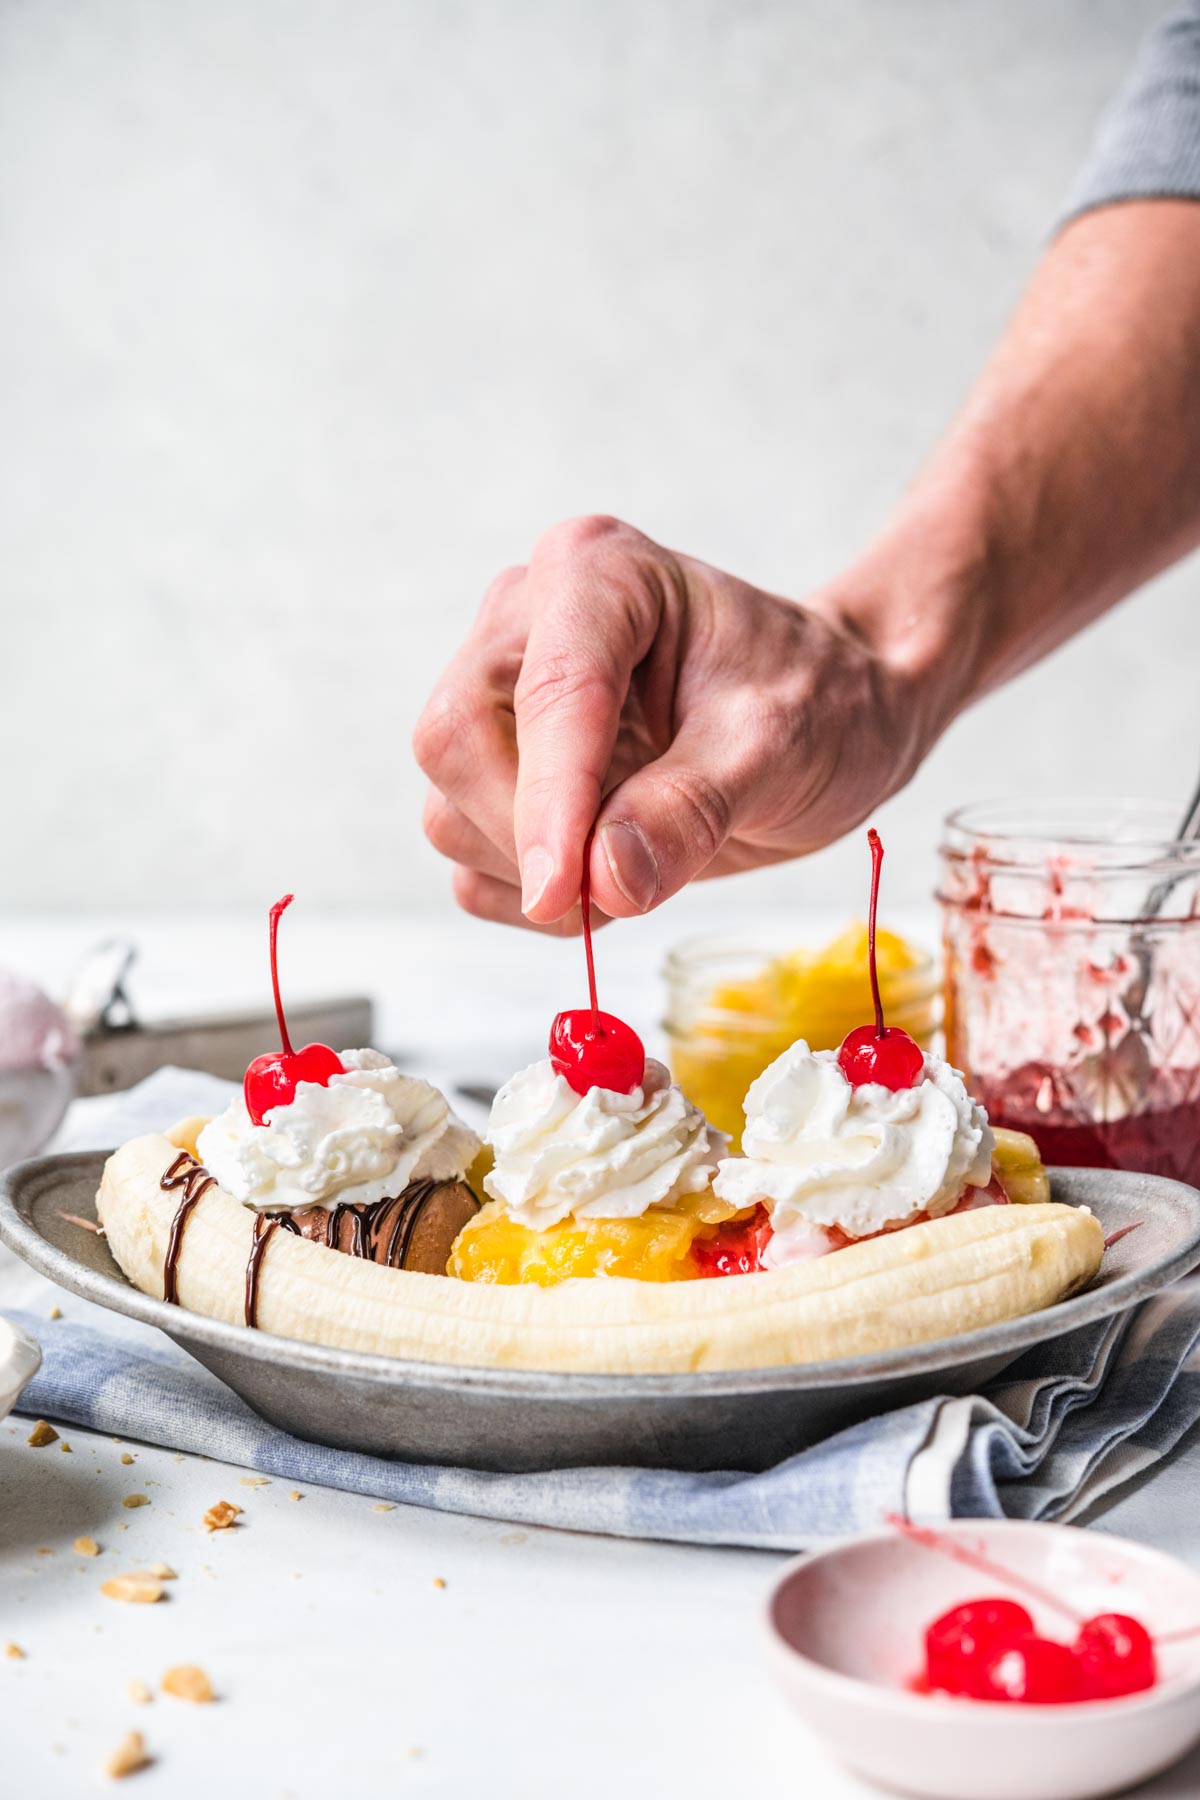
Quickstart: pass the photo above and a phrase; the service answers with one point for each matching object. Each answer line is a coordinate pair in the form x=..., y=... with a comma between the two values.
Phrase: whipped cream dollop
x=819, y=1152
x=599, y=1155
x=365, y=1136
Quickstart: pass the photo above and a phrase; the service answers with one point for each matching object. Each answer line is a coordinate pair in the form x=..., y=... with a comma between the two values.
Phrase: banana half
x=928, y=1282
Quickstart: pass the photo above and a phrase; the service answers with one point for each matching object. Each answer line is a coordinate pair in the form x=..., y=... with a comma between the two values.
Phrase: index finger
x=594, y=620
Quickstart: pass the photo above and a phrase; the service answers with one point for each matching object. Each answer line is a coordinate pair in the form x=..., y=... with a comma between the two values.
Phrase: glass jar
x=733, y=1005
x=1072, y=963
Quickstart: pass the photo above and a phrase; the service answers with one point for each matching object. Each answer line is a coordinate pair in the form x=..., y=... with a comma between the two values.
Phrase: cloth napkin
x=1060, y=1428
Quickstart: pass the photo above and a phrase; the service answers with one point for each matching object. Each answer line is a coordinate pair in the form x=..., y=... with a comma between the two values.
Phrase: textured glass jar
x=733, y=1005
x=1073, y=1010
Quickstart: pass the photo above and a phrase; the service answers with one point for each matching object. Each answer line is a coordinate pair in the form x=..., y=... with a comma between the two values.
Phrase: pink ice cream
x=34, y=1032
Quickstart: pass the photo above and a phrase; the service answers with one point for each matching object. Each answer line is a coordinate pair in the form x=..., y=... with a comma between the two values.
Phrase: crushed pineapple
x=656, y=1247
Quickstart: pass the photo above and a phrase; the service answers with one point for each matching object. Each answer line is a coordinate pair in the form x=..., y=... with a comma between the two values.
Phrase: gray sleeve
x=1148, y=143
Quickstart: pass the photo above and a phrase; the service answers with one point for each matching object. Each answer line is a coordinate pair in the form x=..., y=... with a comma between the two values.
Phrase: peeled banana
x=927, y=1282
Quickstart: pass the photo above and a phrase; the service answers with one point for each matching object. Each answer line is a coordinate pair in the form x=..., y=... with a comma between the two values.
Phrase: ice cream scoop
x=34, y=1032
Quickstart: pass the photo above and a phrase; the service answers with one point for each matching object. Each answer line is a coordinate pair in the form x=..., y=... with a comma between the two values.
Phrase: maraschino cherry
x=961, y=1644
x=271, y=1079
x=1115, y=1655
x=1034, y=1671
x=590, y=1048
x=989, y=1650
x=879, y=1053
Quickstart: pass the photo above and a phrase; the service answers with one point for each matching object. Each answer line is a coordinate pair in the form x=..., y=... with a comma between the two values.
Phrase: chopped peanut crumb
x=383, y=1506
x=187, y=1682
x=221, y=1516
x=163, y=1571
x=128, y=1757
x=139, y=1693
x=255, y=1481
x=438, y=1582
x=126, y=1458
x=14, y=1650
x=136, y=1500
x=41, y=1435
x=139, y=1588
x=295, y=1494
x=86, y=1546
x=55, y=1312
x=65, y=1446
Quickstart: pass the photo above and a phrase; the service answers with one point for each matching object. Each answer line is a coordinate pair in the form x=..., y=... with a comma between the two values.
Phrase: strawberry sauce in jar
x=1072, y=969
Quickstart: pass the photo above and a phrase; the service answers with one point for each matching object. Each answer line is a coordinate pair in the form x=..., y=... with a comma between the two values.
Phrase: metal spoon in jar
x=1118, y=1076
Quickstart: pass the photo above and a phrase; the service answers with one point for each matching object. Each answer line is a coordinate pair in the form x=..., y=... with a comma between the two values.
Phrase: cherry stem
x=931, y=1540
x=975, y=1559
x=585, y=902
x=1114, y=1237
x=876, y=843
x=277, y=911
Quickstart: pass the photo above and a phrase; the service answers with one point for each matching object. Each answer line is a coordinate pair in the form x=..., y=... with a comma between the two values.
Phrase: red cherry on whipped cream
x=879, y=1053
x=590, y=1048
x=271, y=1080
x=596, y=1049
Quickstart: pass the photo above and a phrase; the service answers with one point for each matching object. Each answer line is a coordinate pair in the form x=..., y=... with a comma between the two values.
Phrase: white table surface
x=550, y=1663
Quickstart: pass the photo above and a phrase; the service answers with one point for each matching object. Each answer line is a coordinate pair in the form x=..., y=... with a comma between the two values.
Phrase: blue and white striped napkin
x=1064, y=1425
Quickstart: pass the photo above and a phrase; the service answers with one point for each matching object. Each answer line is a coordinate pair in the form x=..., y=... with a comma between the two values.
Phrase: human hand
x=702, y=725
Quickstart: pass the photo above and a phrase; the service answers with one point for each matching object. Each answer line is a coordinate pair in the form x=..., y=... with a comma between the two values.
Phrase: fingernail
x=536, y=871
x=631, y=863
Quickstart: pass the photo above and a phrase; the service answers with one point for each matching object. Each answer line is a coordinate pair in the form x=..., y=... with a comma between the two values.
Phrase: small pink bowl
x=20, y=1359
x=846, y=1628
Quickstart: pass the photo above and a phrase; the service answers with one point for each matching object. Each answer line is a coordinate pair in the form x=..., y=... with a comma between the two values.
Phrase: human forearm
x=1071, y=475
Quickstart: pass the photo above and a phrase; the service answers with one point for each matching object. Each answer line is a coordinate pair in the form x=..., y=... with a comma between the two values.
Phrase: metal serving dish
x=511, y=1420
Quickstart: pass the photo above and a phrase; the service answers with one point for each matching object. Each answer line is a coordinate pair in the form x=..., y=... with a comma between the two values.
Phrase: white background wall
x=312, y=315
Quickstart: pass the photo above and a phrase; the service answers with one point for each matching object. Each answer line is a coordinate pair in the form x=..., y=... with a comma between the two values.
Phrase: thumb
x=663, y=826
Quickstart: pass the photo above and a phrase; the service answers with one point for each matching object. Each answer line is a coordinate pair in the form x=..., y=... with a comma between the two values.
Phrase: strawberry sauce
x=1165, y=1140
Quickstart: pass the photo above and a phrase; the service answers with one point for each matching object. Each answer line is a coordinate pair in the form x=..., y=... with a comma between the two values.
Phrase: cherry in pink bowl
x=845, y=1630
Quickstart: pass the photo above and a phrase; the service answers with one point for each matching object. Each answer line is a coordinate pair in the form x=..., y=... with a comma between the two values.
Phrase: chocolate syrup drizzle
x=194, y=1179
x=388, y=1224
x=264, y=1231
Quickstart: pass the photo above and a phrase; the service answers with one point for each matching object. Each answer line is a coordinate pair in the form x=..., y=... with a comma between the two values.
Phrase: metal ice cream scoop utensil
x=1116, y=1079
x=120, y=1049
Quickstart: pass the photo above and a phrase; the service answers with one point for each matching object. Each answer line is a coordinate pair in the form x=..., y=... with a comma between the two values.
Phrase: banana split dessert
x=338, y=1201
